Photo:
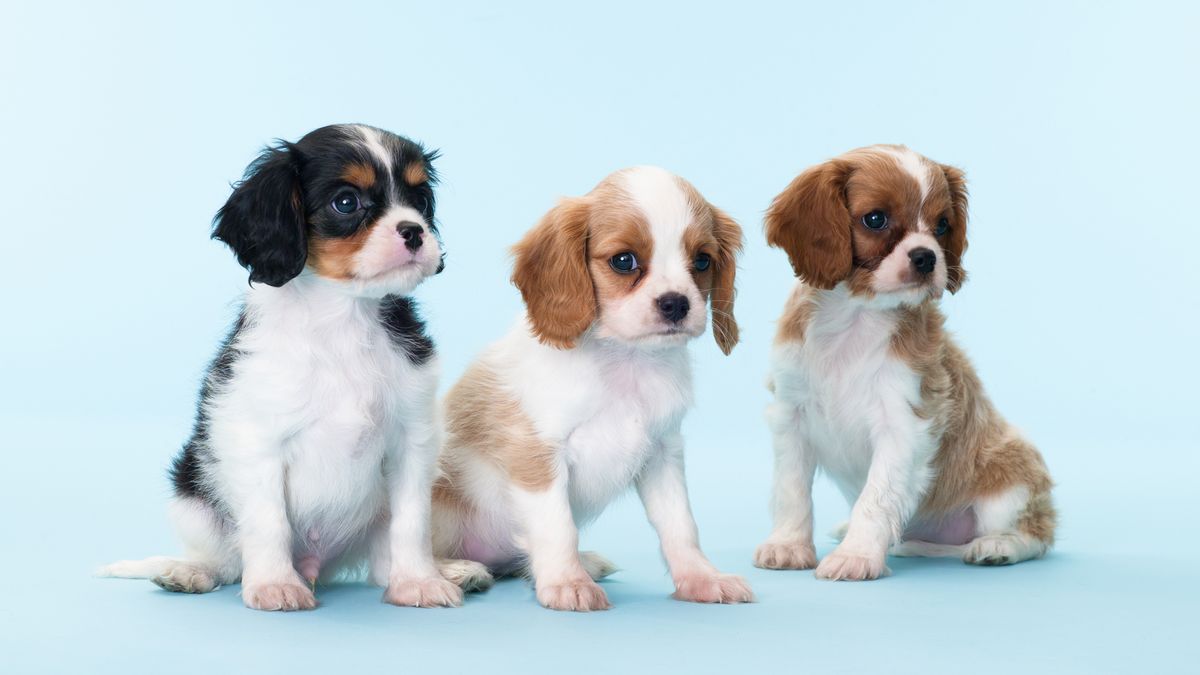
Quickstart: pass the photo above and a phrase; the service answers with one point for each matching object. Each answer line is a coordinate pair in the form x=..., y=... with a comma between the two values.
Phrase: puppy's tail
x=137, y=569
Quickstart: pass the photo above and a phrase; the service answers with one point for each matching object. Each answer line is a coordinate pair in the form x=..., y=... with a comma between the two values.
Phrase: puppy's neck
x=311, y=301
x=840, y=313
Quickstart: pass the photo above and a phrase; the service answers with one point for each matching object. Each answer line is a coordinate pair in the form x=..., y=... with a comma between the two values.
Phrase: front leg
x=412, y=576
x=897, y=476
x=663, y=490
x=551, y=541
x=790, y=545
x=257, y=499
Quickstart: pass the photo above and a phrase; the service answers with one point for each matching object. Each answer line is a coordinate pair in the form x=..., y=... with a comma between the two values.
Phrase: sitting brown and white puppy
x=585, y=395
x=870, y=388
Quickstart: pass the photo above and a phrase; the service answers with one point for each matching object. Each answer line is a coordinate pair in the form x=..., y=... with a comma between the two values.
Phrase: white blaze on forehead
x=915, y=166
x=374, y=144
x=666, y=208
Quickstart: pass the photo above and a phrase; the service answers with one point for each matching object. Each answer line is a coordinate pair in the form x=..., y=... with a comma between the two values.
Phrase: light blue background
x=122, y=127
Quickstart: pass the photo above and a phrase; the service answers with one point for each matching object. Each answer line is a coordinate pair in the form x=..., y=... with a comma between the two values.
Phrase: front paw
x=852, y=566
x=431, y=592
x=788, y=555
x=583, y=595
x=285, y=596
x=713, y=587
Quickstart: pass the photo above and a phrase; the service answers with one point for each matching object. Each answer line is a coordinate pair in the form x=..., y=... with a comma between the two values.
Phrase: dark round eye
x=943, y=226
x=875, y=220
x=702, y=262
x=345, y=203
x=623, y=262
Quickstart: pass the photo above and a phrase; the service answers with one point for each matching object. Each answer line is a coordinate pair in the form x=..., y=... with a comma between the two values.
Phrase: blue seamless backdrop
x=124, y=123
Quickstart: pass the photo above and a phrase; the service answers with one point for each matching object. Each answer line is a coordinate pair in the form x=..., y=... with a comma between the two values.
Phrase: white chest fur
x=840, y=385
x=319, y=383
x=609, y=407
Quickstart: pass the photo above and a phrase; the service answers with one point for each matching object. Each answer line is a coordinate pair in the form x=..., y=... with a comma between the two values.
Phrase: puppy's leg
x=1013, y=526
x=897, y=476
x=663, y=490
x=413, y=578
x=790, y=545
x=255, y=482
x=551, y=542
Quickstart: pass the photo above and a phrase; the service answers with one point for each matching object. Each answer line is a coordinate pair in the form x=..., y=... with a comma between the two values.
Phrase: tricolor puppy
x=870, y=388
x=315, y=442
x=585, y=395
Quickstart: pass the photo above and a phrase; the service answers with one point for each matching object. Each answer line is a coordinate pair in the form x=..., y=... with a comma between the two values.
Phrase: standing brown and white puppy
x=870, y=388
x=585, y=395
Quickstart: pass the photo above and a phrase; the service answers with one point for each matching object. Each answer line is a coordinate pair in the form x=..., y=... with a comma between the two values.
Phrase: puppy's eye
x=943, y=227
x=702, y=262
x=345, y=203
x=623, y=262
x=875, y=220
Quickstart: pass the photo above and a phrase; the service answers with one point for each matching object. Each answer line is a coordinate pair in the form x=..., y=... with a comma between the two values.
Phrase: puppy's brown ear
x=729, y=243
x=810, y=221
x=956, y=242
x=552, y=272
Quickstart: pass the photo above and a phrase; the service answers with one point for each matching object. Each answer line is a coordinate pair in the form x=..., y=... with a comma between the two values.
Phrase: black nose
x=673, y=306
x=411, y=234
x=922, y=259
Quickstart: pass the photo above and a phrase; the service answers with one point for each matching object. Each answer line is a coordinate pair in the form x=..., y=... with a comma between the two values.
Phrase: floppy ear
x=957, y=246
x=551, y=269
x=263, y=221
x=729, y=243
x=810, y=221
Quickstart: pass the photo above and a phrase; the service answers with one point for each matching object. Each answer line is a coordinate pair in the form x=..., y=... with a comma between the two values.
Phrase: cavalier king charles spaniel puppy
x=585, y=395
x=315, y=443
x=869, y=387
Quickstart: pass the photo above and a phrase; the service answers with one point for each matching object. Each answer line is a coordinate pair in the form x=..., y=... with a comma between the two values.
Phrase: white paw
x=713, y=587
x=573, y=596
x=285, y=596
x=785, y=555
x=1002, y=549
x=596, y=565
x=184, y=577
x=852, y=566
x=432, y=592
x=468, y=575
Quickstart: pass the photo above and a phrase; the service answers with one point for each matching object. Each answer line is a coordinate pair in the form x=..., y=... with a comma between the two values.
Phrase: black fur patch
x=405, y=327
x=189, y=470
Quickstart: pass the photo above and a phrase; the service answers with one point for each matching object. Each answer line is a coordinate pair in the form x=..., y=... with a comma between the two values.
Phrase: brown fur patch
x=797, y=313
x=333, y=257
x=360, y=175
x=415, y=173
x=714, y=232
x=979, y=453
x=552, y=274
x=485, y=418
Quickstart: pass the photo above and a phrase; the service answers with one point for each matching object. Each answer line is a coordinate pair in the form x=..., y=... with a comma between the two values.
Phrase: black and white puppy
x=316, y=436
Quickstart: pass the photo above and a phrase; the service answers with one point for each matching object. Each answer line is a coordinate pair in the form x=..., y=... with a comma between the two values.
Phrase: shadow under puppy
x=315, y=442
x=870, y=388
x=585, y=395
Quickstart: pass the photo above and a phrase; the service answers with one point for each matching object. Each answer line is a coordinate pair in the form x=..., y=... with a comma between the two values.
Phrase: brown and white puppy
x=585, y=395
x=870, y=388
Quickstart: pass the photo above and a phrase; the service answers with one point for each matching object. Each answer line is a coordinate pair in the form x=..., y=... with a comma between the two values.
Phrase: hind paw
x=186, y=578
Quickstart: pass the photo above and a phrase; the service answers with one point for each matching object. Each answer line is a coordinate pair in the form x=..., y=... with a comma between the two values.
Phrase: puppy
x=870, y=388
x=585, y=395
x=315, y=442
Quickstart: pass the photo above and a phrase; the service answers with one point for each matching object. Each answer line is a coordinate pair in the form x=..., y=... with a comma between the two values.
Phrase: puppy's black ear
x=263, y=221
